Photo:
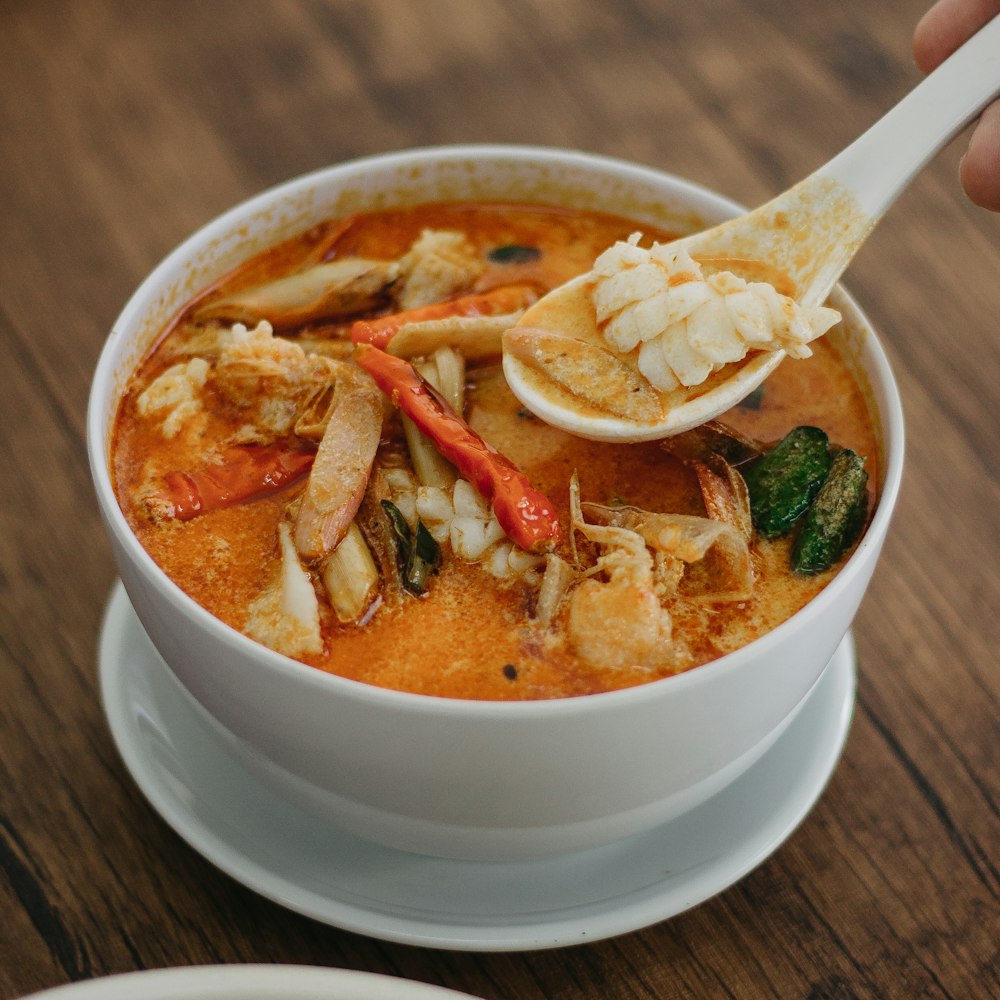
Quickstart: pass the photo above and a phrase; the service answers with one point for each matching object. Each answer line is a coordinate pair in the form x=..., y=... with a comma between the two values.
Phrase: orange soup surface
x=399, y=574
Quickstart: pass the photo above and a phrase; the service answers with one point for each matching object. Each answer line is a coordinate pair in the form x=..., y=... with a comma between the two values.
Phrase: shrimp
x=270, y=379
x=438, y=264
x=706, y=559
x=687, y=324
x=173, y=396
x=618, y=622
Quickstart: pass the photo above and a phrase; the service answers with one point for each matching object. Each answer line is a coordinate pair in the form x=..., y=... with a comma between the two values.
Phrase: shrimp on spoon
x=654, y=341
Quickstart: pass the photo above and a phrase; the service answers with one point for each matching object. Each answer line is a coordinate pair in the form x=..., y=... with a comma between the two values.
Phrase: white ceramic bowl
x=248, y=982
x=462, y=778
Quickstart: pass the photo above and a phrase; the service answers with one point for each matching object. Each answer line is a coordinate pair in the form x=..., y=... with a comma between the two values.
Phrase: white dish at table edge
x=185, y=765
x=248, y=982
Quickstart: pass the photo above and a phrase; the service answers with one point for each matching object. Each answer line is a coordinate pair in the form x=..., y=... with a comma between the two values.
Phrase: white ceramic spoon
x=809, y=234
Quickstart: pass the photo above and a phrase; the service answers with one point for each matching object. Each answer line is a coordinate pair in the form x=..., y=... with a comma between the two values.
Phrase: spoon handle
x=879, y=164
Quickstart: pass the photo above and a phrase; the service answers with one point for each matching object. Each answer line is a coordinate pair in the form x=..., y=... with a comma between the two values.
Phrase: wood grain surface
x=125, y=126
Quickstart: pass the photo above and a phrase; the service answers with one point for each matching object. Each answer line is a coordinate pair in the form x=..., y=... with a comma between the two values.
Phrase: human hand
x=940, y=31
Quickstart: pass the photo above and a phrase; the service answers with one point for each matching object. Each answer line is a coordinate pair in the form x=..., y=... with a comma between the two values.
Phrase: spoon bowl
x=569, y=309
x=807, y=235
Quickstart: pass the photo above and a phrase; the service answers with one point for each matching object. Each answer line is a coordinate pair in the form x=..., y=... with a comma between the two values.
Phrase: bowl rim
x=877, y=364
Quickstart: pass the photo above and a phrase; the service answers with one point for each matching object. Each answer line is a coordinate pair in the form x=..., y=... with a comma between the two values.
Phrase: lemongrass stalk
x=430, y=467
x=450, y=365
x=478, y=338
x=350, y=576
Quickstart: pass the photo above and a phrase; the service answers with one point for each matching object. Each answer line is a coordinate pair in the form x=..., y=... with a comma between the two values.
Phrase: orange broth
x=472, y=636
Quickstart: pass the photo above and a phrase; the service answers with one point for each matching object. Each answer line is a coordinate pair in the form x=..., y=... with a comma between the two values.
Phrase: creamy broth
x=471, y=635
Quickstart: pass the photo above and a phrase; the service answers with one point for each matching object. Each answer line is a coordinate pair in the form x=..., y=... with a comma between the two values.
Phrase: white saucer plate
x=248, y=982
x=193, y=779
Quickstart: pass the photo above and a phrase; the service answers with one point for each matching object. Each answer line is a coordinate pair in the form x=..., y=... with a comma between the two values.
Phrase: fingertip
x=946, y=26
x=979, y=170
x=934, y=37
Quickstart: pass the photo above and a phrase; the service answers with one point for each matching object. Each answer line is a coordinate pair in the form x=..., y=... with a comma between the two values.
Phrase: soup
x=467, y=549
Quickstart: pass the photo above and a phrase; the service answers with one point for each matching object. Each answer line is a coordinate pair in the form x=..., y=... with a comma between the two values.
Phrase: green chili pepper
x=783, y=482
x=836, y=516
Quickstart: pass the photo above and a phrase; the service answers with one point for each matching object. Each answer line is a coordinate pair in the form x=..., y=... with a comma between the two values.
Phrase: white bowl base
x=193, y=780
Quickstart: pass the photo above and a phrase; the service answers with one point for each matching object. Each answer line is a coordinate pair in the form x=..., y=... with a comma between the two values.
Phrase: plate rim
x=635, y=909
x=253, y=980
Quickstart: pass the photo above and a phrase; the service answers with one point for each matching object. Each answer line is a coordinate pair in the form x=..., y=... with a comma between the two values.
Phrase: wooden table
x=124, y=126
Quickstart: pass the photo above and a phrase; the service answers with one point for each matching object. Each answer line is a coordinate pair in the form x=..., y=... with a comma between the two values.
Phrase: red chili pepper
x=247, y=472
x=497, y=301
x=525, y=514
